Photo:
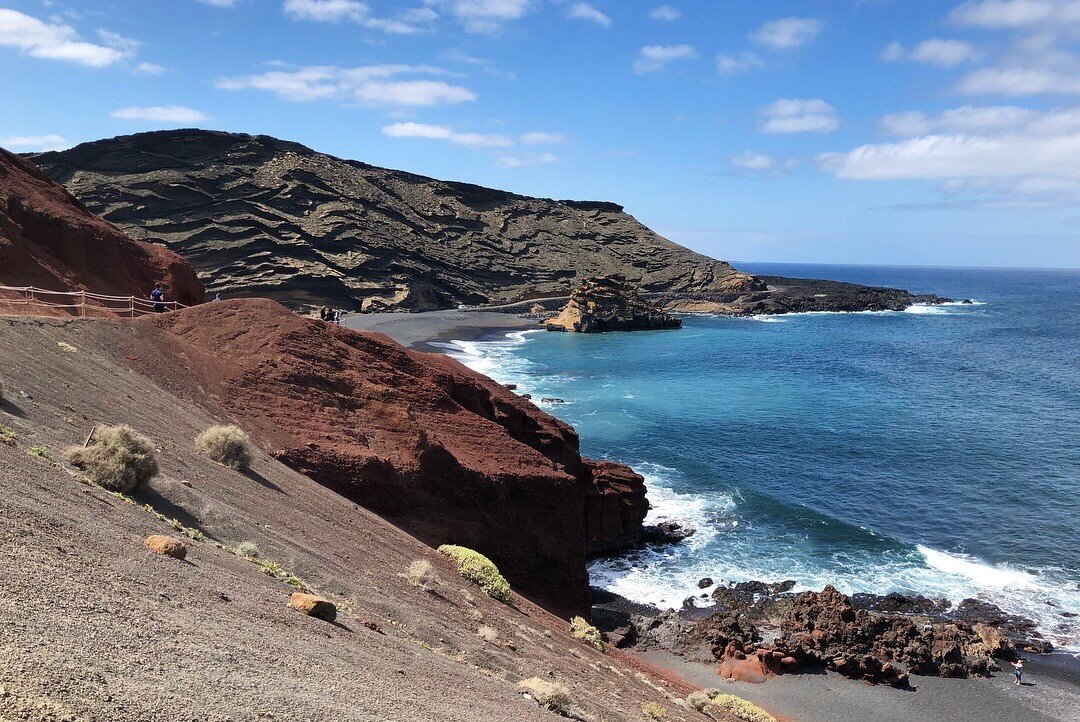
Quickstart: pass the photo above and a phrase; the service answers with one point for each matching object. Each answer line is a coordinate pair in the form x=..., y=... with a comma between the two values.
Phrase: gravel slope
x=97, y=628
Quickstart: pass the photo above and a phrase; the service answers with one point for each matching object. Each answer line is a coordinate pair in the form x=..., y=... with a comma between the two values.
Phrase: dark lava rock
x=666, y=532
x=551, y=400
x=901, y=604
x=705, y=583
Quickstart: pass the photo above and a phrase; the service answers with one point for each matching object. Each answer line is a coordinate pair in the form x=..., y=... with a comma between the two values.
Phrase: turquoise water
x=934, y=451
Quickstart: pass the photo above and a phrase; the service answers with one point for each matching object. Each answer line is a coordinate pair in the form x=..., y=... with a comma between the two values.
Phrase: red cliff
x=50, y=240
x=441, y=451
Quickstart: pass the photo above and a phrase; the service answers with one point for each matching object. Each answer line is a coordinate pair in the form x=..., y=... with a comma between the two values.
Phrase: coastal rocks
x=615, y=506
x=609, y=303
x=265, y=217
x=437, y=449
x=666, y=532
x=49, y=240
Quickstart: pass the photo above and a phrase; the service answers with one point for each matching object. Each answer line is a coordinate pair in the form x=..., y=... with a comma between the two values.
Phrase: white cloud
x=328, y=11
x=892, y=52
x=1001, y=154
x=762, y=164
x=730, y=65
x=161, y=114
x=35, y=142
x=150, y=69
x=936, y=51
x=585, y=11
x=541, y=138
x=787, y=116
x=665, y=13
x=54, y=41
x=787, y=33
x=441, y=132
x=1003, y=14
x=373, y=85
x=656, y=57
x=335, y=11
x=484, y=16
x=528, y=160
x=966, y=119
x=1019, y=82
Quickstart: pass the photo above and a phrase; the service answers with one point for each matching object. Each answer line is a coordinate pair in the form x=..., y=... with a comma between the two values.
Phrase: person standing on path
x=1018, y=669
x=158, y=297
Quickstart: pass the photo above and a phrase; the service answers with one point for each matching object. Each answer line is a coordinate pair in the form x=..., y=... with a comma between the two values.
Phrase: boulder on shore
x=609, y=303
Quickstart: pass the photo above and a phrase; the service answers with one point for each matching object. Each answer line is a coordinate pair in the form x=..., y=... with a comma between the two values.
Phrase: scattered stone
x=551, y=400
x=705, y=583
x=166, y=545
x=511, y=387
x=313, y=606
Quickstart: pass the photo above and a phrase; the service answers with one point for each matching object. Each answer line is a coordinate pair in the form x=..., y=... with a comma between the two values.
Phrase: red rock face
x=443, y=452
x=48, y=239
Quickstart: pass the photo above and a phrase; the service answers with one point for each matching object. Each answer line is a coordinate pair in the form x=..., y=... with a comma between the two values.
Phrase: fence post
x=82, y=304
x=131, y=303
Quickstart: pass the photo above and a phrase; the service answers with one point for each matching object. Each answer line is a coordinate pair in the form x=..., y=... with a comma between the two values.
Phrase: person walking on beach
x=1018, y=669
x=158, y=297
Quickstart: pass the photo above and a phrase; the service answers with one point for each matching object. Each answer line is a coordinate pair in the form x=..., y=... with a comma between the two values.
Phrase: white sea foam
x=982, y=576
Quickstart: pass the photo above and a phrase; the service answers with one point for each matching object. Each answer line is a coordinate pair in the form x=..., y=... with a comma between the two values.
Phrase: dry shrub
x=551, y=695
x=654, y=711
x=118, y=458
x=488, y=634
x=227, y=445
x=421, y=574
x=586, y=632
x=247, y=550
x=477, y=568
x=712, y=700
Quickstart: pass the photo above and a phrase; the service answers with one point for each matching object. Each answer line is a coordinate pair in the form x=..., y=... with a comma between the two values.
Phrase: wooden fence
x=78, y=303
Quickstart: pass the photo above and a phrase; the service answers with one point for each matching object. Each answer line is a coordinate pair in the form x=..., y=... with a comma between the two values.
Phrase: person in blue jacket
x=158, y=297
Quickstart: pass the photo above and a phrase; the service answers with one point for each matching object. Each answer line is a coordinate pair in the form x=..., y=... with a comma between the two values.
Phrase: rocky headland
x=258, y=216
x=609, y=303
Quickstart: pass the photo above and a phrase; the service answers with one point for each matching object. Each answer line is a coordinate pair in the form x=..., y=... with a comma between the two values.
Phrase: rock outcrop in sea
x=48, y=239
x=609, y=303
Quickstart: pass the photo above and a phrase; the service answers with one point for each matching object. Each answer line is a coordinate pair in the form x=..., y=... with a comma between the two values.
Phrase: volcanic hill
x=50, y=240
x=266, y=217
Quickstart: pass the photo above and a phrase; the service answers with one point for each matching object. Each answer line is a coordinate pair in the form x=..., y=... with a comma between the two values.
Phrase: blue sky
x=860, y=131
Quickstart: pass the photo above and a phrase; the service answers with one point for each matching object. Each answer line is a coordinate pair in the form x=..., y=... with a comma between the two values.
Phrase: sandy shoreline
x=421, y=330
x=827, y=696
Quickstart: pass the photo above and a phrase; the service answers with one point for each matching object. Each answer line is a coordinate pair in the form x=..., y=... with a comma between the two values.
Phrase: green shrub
x=227, y=445
x=654, y=711
x=712, y=699
x=586, y=632
x=40, y=452
x=477, y=568
x=117, y=458
x=7, y=436
x=551, y=695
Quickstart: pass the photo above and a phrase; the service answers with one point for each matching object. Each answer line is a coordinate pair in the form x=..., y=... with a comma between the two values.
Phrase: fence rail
x=81, y=303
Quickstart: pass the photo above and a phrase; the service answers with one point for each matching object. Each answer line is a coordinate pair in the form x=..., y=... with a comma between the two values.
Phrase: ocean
x=933, y=451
